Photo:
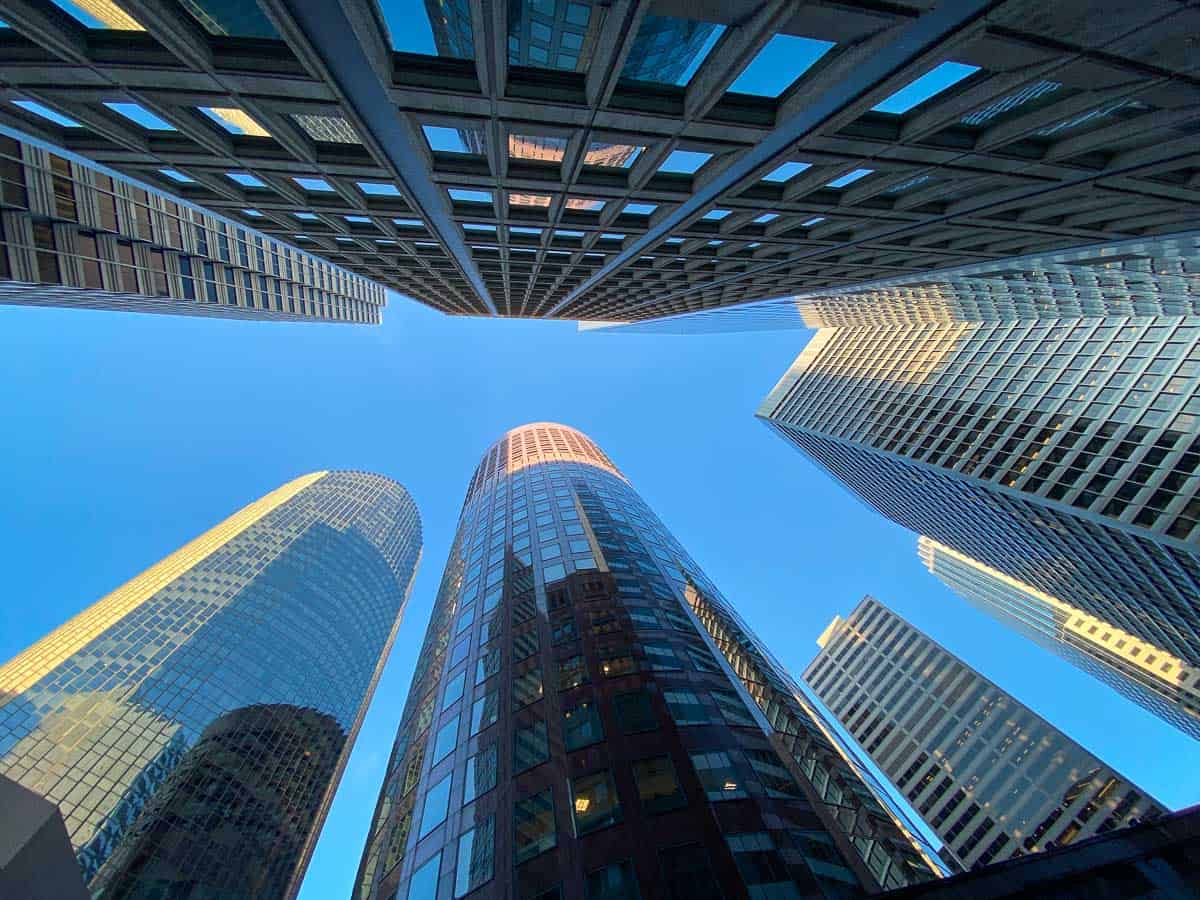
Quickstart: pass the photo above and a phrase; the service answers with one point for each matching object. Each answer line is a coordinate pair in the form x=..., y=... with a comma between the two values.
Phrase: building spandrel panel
x=192, y=725
x=575, y=722
x=878, y=143
x=991, y=778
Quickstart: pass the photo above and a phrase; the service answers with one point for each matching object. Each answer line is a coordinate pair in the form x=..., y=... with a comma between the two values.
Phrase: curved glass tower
x=192, y=725
x=589, y=719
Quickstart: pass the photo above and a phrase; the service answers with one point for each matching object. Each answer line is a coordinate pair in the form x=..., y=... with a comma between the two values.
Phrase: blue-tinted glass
x=176, y=175
x=766, y=217
x=411, y=31
x=640, y=209
x=476, y=858
x=715, y=215
x=469, y=196
x=786, y=171
x=849, y=178
x=40, y=109
x=137, y=113
x=454, y=689
x=685, y=161
x=931, y=83
x=252, y=212
x=245, y=179
x=313, y=184
x=447, y=738
x=447, y=140
x=306, y=216
x=423, y=885
x=437, y=801
x=378, y=189
x=784, y=59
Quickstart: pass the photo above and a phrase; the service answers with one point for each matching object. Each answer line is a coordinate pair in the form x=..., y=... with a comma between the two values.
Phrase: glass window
x=423, y=884
x=480, y=774
x=454, y=689
x=658, y=788
x=527, y=688
x=732, y=708
x=615, y=882
x=533, y=822
x=530, y=747
x=661, y=657
x=437, y=800
x=622, y=664
x=761, y=866
x=485, y=711
x=635, y=712
x=594, y=802
x=487, y=665
x=581, y=726
x=465, y=620
x=554, y=572
x=564, y=631
x=688, y=874
x=459, y=653
x=719, y=778
x=771, y=772
x=572, y=672
x=476, y=857
x=447, y=738
x=687, y=709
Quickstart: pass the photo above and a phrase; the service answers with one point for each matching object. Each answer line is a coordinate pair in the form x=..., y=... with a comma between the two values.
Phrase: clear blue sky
x=127, y=435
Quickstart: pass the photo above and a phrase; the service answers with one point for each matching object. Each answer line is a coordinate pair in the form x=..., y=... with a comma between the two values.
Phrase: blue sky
x=129, y=434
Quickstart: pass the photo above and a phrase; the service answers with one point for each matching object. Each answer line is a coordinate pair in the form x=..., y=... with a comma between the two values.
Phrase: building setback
x=1149, y=676
x=574, y=728
x=818, y=150
x=192, y=725
x=992, y=778
x=76, y=237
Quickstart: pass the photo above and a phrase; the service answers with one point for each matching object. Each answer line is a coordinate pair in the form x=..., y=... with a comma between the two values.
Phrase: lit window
x=594, y=803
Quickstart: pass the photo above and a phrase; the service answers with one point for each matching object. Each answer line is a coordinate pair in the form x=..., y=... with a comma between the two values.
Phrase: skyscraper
x=991, y=777
x=574, y=729
x=1063, y=453
x=773, y=148
x=193, y=724
x=72, y=236
x=1149, y=676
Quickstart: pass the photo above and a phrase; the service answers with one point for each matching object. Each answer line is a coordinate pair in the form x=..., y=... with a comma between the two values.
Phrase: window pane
x=461, y=649
x=634, y=712
x=564, y=631
x=688, y=874
x=761, y=866
x=530, y=747
x=661, y=657
x=686, y=708
x=485, y=711
x=732, y=708
x=615, y=882
x=436, y=802
x=454, y=689
x=581, y=726
x=720, y=779
x=447, y=737
x=613, y=666
x=572, y=672
x=423, y=885
x=487, y=666
x=658, y=788
x=594, y=802
x=527, y=688
x=534, y=826
x=480, y=774
x=476, y=857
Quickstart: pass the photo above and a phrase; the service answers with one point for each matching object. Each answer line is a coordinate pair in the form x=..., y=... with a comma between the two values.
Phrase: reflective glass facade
x=73, y=236
x=992, y=778
x=576, y=730
x=193, y=724
x=1164, y=684
x=1063, y=453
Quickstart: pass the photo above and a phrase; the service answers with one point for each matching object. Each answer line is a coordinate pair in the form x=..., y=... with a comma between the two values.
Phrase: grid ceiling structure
x=912, y=137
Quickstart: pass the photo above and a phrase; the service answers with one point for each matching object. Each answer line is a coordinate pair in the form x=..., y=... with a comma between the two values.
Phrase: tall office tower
x=572, y=730
x=75, y=237
x=192, y=725
x=1149, y=676
x=767, y=148
x=1063, y=453
x=991, y=777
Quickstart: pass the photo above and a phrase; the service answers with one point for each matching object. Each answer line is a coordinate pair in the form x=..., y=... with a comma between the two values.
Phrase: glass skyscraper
x=193, y=724
x=589, y=719
x=1149, y=676
x=992, y=778
x=1064, y=453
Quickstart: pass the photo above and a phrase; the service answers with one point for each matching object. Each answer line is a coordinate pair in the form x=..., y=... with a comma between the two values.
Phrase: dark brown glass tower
x=589, y=719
